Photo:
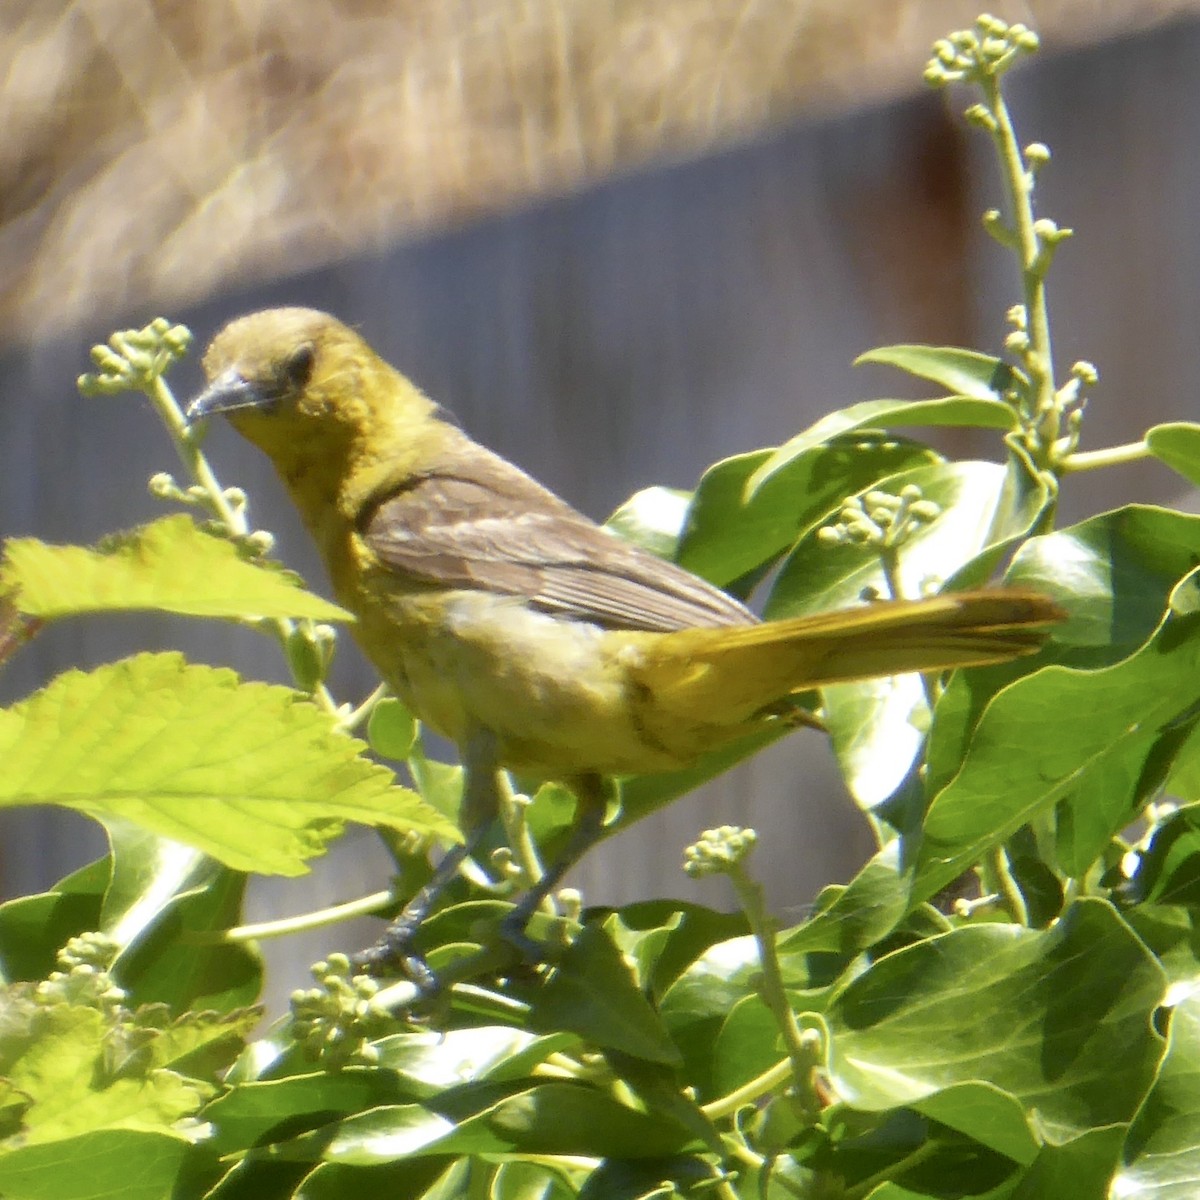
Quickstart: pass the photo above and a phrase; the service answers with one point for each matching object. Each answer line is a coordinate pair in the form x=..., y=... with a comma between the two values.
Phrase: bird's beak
x=229, y=392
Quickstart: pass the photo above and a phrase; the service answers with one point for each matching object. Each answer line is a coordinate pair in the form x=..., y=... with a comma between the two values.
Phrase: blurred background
x=620, y=239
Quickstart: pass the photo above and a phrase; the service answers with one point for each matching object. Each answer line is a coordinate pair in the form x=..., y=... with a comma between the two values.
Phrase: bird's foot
x=394, y=954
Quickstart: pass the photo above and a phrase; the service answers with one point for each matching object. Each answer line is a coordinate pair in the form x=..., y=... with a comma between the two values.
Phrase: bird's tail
x=738, y=671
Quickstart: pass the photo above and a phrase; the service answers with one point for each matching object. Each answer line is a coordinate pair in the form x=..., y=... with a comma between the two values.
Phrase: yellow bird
x=515, y=626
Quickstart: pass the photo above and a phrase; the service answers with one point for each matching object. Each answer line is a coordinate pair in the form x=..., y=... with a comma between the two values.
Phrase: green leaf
x=1178, y=445
x=170, y=565
x=161, y=901
x=250, y=773
x=60, y=1059
x=34, y=928
x=728, y=535
x=849, y=919
x=106, y=1165
x=551, y=1118
x=420, y=1179
x=652, y=519
x=391, y=729
x=1162, y=1155
x=1168, y=870
x=987, y=1114
x=1113, y=574
x=886, y=414
x=1045, y=737
x=962, y=372
x=878, y=725
x=644, y=794
x=593, y=993
x=257, y=1114
x=1079, y=1168
x=1059, y=1019
x=429, y=1063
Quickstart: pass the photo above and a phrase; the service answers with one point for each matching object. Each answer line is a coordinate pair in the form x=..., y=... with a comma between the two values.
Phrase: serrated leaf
x=886, y=414
x=1060, y=1019
x=250, y=773
x=170, y=565
x=1178, y=445
x=60, y=1064
x=960, y=372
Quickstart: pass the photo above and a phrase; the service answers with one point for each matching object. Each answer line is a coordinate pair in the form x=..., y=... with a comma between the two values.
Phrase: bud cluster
x=336, y=1020
x=880, y=519
x=133, y=358
x=718, y=851
x=971, y=55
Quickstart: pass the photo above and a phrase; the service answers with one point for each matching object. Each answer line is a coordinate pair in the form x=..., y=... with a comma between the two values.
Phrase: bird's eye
x=297, y=367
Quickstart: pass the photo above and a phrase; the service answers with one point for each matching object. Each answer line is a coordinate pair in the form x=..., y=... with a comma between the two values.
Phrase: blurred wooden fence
x=637, y=332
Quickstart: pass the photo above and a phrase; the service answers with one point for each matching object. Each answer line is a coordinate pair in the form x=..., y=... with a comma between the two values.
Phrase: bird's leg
x=591, y=796
x=478, y=816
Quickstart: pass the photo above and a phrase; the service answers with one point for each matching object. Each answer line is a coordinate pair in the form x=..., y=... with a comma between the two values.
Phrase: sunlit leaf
x=252, y=774
x=170, y=565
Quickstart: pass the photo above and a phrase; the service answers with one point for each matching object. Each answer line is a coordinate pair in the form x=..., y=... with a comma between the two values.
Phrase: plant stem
x=1018, y=181
x=319, y=919
x=803, y=1051
x=1006, y=885
x=748, y=1093
x=1111, y=456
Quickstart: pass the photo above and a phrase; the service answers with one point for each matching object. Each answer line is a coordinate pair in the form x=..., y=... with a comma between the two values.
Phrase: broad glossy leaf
x=413, y=1179
x=962, y=372
x=1043, y=738
x=254, y=1114
x=1113, y=574
x=170, y=565
x=1178, y=445
x=1168, y=870
x=851, y=918
x=878, y=726
x=644, y=794
x=551, y=1118
x=653, y=519
x=34, y=928
x=1162, y=1155
x=728, y=535
x=1059, y=1019
x=987, y=1114
x=162, y=898
x=250, y=773
x=1078, y=1168
x=429, y=1063
x=886, y=414
x=593, y=994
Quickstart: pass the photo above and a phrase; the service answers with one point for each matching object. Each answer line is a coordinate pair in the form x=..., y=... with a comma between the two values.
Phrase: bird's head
x=308, y=391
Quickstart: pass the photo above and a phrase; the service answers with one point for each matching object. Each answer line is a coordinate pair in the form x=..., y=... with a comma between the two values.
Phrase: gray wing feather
x=476, y=521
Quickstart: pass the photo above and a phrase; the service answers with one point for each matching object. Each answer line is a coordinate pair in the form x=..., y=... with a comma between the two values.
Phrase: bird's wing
x=476, y=521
